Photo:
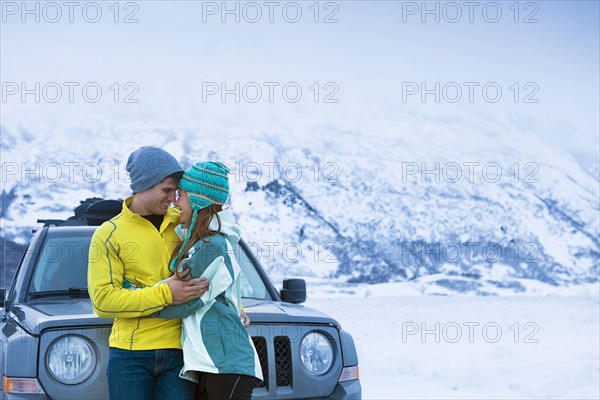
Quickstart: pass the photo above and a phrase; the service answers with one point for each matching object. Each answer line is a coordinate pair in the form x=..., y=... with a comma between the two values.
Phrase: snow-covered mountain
x=472, y=213
x=348, y=176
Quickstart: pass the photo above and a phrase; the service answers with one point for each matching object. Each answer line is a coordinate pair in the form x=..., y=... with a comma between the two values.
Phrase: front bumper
x=349, y=390
x=17, y=396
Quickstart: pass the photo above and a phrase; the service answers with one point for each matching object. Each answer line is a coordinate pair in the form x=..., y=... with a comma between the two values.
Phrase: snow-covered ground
x=466, y=347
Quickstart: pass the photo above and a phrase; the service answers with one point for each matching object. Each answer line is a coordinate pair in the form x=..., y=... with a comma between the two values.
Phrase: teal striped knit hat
x=206, y=183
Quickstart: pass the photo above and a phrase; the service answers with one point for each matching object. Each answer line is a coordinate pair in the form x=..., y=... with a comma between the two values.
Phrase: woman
x=217, y=351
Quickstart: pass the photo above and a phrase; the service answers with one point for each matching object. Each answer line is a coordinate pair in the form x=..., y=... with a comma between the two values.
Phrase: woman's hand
x=245, y=319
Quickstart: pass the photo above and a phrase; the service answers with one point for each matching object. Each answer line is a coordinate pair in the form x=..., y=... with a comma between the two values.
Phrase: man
x=134, y=249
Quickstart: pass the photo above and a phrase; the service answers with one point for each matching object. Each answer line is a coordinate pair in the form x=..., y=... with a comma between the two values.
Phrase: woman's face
x=183, y=202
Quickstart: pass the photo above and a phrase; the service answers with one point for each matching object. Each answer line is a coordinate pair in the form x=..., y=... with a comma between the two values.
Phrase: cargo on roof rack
x=91, y=212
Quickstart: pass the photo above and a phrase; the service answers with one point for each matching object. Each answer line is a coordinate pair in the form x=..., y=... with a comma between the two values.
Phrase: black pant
x=225, y=386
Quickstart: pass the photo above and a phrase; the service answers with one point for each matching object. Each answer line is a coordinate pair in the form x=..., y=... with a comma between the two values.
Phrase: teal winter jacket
x=213, y=336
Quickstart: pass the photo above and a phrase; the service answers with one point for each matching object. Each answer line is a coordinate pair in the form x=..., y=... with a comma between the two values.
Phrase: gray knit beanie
x=150, y=165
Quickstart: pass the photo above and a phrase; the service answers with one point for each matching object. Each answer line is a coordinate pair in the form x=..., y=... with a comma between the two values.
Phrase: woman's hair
x=200, y=231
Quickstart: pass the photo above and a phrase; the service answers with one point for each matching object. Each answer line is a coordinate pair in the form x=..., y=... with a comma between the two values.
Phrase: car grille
x=260, y=343
x=283, y=359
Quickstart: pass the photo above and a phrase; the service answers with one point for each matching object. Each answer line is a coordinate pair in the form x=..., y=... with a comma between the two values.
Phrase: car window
x=63, y=265
x=251, y=282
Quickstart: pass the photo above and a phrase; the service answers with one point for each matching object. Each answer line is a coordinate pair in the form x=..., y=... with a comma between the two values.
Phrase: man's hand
x=245, y=318
x=183, y=291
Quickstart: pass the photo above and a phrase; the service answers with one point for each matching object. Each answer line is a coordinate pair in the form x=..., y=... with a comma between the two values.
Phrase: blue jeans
x=147, y=374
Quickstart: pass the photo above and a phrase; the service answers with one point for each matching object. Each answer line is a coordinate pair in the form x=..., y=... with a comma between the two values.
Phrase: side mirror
x=2, y=294
x=294, y=291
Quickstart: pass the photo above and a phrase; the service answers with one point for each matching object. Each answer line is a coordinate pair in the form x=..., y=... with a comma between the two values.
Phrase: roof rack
x=92, y=211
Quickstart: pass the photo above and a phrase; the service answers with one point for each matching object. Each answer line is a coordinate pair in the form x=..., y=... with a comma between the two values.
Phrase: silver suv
x=55, y=347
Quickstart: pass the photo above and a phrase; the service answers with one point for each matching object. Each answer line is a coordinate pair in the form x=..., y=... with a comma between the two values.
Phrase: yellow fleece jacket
x=128, y=247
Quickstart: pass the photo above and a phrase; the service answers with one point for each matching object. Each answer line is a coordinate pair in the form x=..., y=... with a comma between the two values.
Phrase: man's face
x=158, y=198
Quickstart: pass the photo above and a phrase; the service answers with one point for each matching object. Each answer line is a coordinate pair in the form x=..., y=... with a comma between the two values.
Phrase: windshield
x=251, y=282
x=62, y=269
x=62, y=265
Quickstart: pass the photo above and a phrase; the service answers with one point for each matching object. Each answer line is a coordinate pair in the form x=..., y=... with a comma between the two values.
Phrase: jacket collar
x=171, y=217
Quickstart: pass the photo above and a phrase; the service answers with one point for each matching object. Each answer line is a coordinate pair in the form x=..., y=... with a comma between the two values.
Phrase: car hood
x=278, y=312
x=34, y=317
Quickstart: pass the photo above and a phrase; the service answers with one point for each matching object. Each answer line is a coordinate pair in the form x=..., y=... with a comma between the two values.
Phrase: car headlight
x=71, y=359
x=316, y=353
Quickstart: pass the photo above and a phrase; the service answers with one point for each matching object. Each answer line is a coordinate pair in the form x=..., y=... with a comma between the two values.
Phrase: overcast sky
x=373, y=58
